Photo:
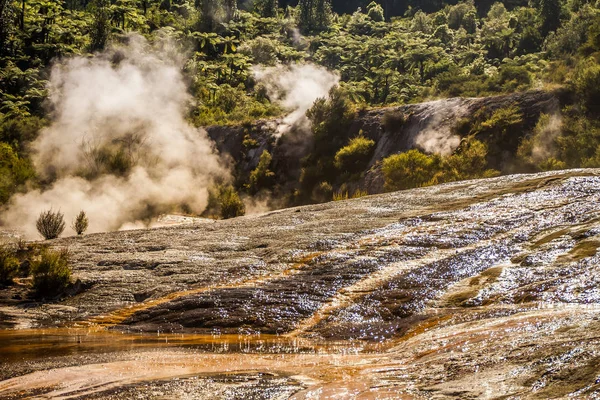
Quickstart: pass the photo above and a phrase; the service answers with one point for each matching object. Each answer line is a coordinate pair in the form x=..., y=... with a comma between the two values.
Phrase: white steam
x=296, y=87
x=119, y=146
x=434, y=128
x=547, y=130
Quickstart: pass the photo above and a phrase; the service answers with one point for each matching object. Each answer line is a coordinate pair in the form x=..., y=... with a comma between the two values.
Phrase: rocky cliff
x=429, y=126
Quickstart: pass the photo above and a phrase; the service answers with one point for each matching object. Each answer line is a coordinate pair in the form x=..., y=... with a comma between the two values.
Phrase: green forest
x=386, y=53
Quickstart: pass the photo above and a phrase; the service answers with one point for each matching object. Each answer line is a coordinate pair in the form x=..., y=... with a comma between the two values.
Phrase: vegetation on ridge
x=385, y=54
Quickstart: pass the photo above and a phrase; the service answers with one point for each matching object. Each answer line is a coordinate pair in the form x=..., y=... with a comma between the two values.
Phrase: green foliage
x=9, y=264
x=550, y=13
x=100, y=26
x=415, y=169
x=51, y=272
x=587, y=84
x=469, y=161
x=81, y=222
x=409, y=170
x=14, y=172
x=500, y=122
x=355, y=156
x=230, y=204
x=375, y=12
x=261, y=177
x=314, y=15
x=437, y=49
x=340, y=195
x=50, y=224
x=266, y=8
x=331, y=117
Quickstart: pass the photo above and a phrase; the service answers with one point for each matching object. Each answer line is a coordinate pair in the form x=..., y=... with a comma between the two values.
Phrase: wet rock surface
x=478, y=289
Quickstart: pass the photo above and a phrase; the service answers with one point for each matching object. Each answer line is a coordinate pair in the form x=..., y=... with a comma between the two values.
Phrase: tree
x=314, y=15
x=322, y=14
x=375, y=12
x=550, y=11
x=305, y=15
x=100, y=28
x=266, y=8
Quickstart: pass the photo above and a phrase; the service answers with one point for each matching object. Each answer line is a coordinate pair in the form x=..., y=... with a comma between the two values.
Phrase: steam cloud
x=119, y=146
x=296, y=87
x=544, y=143
x=434, y=133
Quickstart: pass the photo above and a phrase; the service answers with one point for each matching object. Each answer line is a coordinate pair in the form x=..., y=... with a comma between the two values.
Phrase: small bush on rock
x=355, y=156
x=80, y=224
x=231, y=204
x=50, y=224
x=51, y=272
x=9, y=265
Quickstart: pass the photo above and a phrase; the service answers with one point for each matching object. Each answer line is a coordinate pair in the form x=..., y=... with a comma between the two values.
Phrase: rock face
x=477, y=289
x=428, y=126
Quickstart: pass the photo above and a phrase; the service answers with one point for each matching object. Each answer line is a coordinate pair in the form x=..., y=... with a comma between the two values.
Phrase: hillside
x=99, y=99
x=431, y=126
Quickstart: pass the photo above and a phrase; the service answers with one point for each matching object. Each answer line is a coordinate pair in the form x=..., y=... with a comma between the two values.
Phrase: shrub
x=552, y=164
x=340, y=195
x=230, y=203
x=330, y=120
x=14, y=172
x=409, y=170
x=51, y=272
x=358, y=193
x=50, y=224
x=501, y=121
x=375, y=12
x=261, y=176
x=9, y=265
x=468, y=162
x=249, y=142
x=393, y=121
x=355, y=156
x=587, y=84
x=80, y=224
x=263, y=50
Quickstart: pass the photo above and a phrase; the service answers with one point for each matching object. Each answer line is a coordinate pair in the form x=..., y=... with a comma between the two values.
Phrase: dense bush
x=415, y=169
x=14, y=172
x=230, y=204
x=469, y=161
x=9, y=264
x=80, y=224
x=261, y=177
x=50, y=224
x=51, y=272
x=355, y=156
x=409, y=170
x=587, y=84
